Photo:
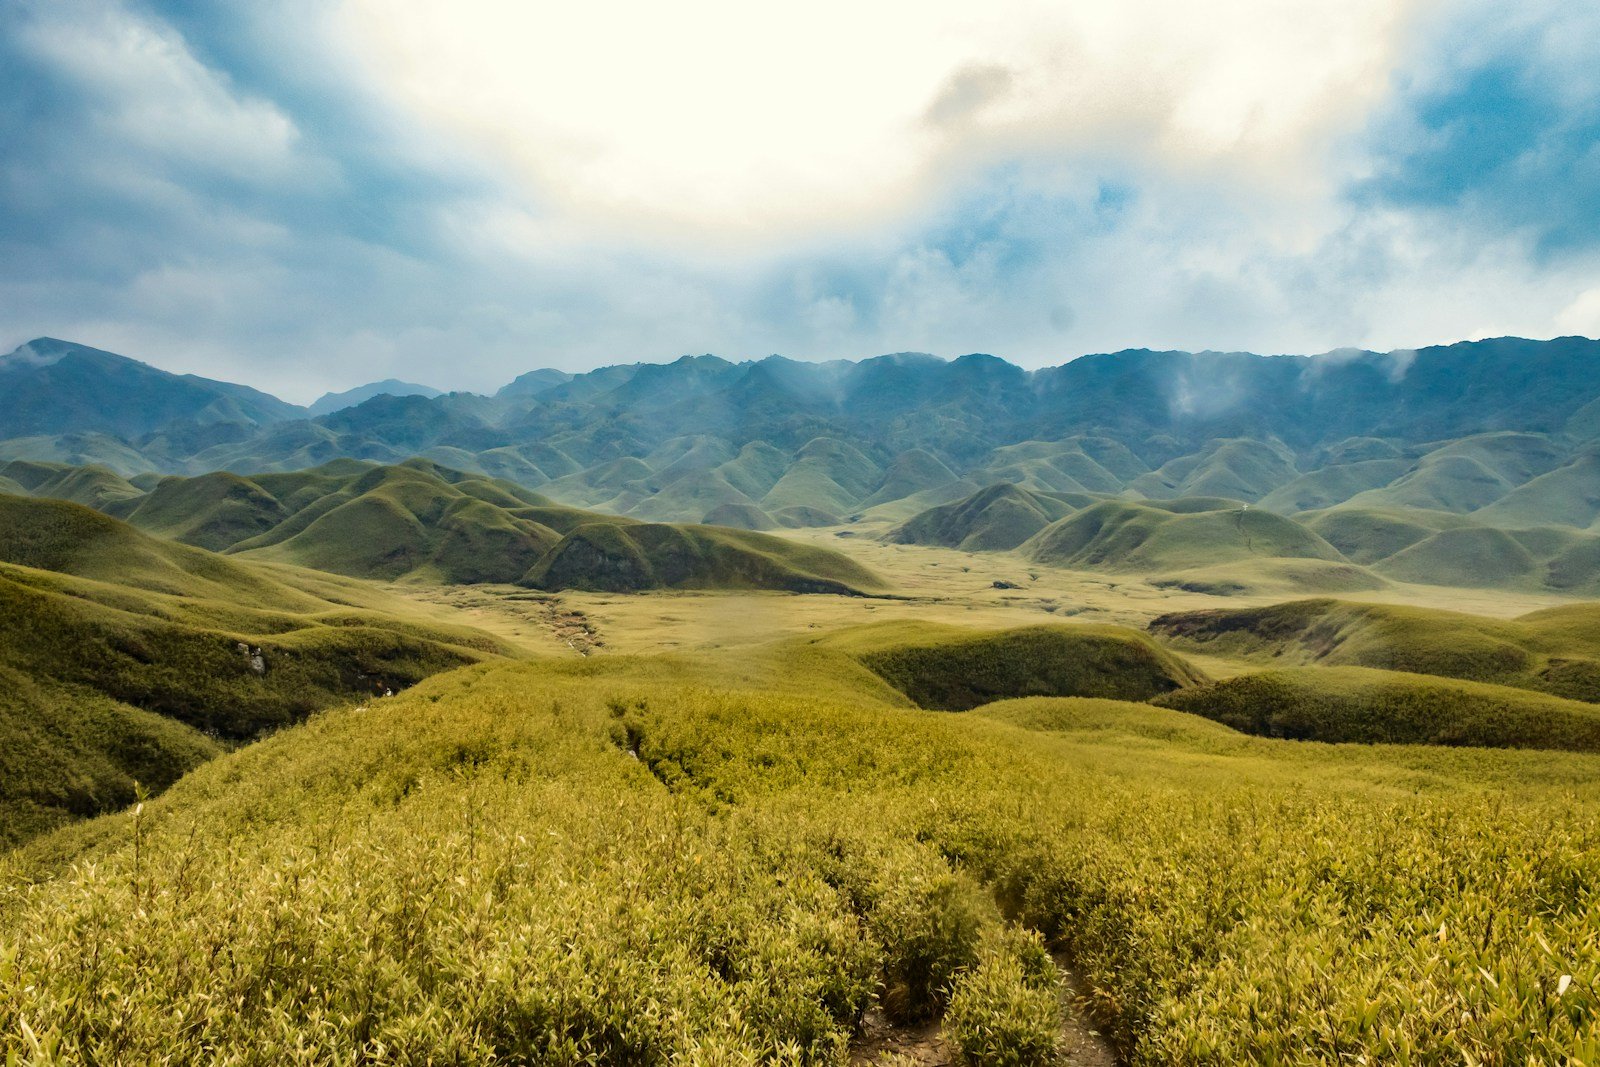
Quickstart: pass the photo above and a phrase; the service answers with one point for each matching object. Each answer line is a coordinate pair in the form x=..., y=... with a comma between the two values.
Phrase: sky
x=306, y=196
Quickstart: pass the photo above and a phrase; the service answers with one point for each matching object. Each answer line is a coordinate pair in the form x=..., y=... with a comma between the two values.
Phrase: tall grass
x=686, y=861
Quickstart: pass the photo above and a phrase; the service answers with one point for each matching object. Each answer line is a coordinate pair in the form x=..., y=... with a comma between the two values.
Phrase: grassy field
x=730, y=828
x=666, y=860
x=126, y=659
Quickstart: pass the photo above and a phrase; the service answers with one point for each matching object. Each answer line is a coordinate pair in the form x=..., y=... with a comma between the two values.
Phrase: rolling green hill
x=735, y=860
x=1367, y=535
x=127, y=658
x=953, y=669
x=419, y=520
x=1556, y=652
x=1568, y=495
x=1122, y=535
x=1334, y=484
x=1366, y=706
x=1499, y=427
x=627, y=557
x=994, y=519
x=1238, y=469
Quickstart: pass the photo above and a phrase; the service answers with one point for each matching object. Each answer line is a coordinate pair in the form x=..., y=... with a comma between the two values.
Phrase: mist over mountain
x=49, y=386
x=1499, y=427
x=328, y=403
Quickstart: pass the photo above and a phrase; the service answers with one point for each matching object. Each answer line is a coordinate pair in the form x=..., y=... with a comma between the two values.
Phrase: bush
x=1006, y=1011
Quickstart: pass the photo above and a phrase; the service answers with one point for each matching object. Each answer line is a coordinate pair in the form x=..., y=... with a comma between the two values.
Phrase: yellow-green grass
x=1555, y=651
x=995, y=519
x=1368, y=706
x=953, y=668
x=703, y=861
x=609, y=556
x=121, y=658
x=1369, y=534
x=1236, y=468
x=424, y=522
x=1271, y=577
x=1163, y=537
x=739, y=516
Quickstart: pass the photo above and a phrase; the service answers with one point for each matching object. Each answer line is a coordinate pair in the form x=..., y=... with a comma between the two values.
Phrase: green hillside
x=617, y=557
x=952, y=669
x=1568, y=496
x=739, y=516
x=124, y=658
x=1556, y=652
x=1121, y=535
x=1367, y=535
x=1366, y=706
x=1236, y=468
x=1334, y=484
x=912, y=472
x=731, y=860
x=1475, y=556
x=419, y=520
x=995, y=519
x=829, y=475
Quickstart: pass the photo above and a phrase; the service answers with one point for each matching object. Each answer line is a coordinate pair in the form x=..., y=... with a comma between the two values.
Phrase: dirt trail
x=544, y=623
x=568, y=624
x=883, y=1044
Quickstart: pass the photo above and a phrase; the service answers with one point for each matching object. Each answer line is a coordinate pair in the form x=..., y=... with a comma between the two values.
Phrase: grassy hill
x=731, y=859
x=1235, y=468
x=125, y=658
x=952, y=669
x=419, y=520
x=1359, y=704
x=1568, y=496
x=994, y=519
x=1366, y=535
x=1123, y=535
x=1556, y=652
x=1333, y=484
x=626, y=557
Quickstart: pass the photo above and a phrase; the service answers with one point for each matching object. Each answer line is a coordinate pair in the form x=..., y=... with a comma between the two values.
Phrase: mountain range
x=1506, y=430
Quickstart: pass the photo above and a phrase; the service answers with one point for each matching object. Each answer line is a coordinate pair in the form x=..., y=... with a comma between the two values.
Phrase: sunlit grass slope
x=1359, y=704
x=120, y=658
x=951, y=668
x=693, y=861
x=1555, y=651
x=419, y=520
x=620, y=557
x=995, y=518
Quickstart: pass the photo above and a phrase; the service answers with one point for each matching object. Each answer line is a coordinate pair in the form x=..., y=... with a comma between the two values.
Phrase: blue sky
x=307, y=196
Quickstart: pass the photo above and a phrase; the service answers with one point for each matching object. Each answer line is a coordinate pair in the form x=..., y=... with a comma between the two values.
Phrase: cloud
x=144, y=90
x=765, y=122
x=1501, y=130
x=309, y=197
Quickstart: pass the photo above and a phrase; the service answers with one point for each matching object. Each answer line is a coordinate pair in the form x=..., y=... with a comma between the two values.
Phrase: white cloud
x=727, y=119
x=1582, y=316
x=151, y=92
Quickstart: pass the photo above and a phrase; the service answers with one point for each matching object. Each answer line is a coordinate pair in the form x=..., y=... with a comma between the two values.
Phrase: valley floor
x=691, y=828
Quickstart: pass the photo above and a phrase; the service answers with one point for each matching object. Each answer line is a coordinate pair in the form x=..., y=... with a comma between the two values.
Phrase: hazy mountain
x=1456, y=428
x=420, y=520
x=49, y=386
x=328, y=403
x=533, y=383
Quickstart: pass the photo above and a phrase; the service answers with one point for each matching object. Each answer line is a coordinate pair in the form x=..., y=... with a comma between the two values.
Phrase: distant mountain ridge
x=328, y=403
x=778, y=442
x=419, y=520
x=48, y=386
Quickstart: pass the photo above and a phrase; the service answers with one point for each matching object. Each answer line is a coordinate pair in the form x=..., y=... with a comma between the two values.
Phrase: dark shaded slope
x=953, y=669
x=624, y=558
x=126, y=658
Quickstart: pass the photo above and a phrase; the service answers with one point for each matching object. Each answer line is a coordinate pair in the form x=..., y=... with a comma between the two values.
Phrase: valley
x=1255, y=754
